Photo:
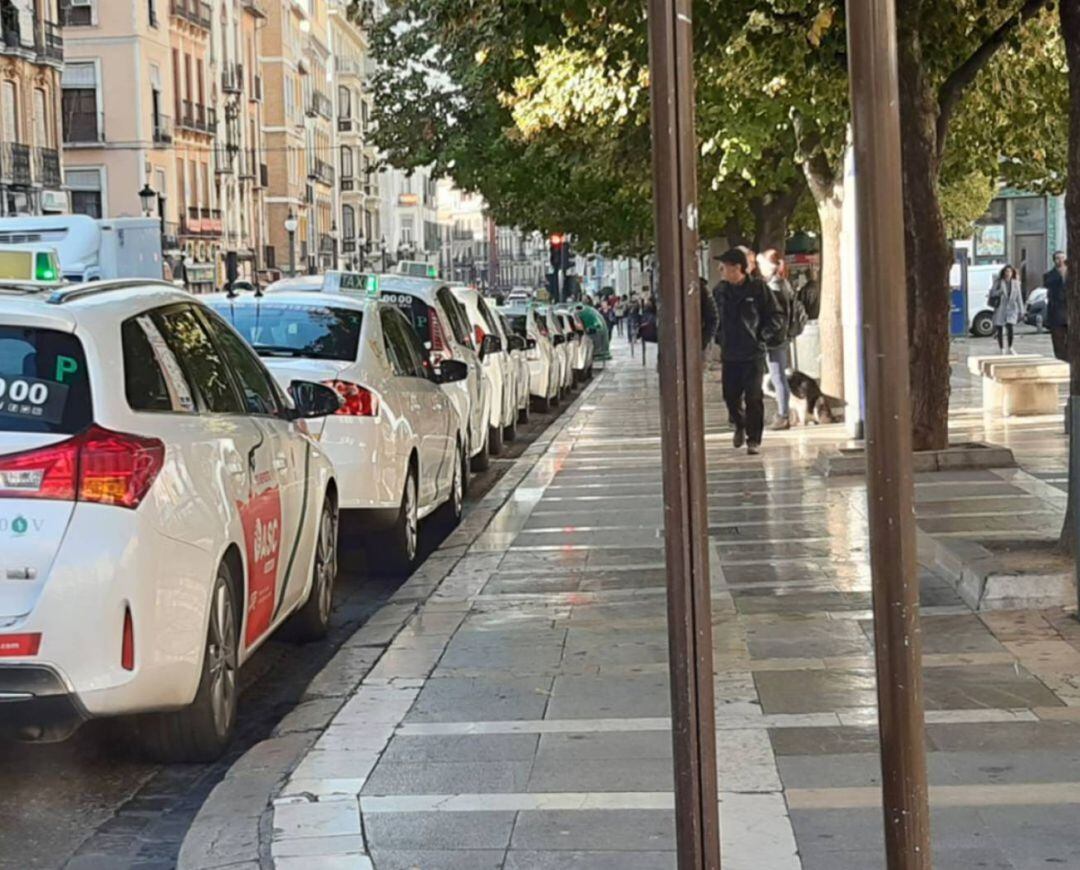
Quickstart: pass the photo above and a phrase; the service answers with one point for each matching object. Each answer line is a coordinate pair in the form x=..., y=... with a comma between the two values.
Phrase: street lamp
x=334, y=244
x=147, y=195
x=382, y=253
x=291, y=224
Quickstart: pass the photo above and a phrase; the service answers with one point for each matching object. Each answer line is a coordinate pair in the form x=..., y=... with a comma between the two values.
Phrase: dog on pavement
x=808, y=403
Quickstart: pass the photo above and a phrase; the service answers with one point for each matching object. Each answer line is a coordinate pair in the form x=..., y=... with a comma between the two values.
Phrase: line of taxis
x=175, y=471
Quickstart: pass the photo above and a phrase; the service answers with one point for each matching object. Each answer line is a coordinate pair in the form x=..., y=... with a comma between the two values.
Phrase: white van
x=980, y=280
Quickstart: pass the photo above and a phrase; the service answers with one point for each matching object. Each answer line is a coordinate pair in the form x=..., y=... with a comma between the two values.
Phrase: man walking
x=750, y=319
x=1057, y=314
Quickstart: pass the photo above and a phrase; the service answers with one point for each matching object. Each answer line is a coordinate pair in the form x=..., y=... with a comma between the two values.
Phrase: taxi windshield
x=289, y=330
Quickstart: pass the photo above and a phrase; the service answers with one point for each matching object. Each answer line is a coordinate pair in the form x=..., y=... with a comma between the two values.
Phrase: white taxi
x=162, y=511
x=442, y=325
x=396, y=442
x=499, y=368
x=540, y=353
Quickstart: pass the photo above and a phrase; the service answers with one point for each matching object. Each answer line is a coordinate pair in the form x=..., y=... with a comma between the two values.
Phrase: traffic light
x=555, y=248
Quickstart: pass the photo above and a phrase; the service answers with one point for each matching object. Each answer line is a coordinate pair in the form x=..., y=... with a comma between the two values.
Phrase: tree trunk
x=927, y=249
x=772, y=215
x=1070, y=30
x=830, y=321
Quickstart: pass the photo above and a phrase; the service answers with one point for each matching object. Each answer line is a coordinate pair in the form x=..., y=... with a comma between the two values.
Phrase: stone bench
x=974, y=363
x=1016, y=386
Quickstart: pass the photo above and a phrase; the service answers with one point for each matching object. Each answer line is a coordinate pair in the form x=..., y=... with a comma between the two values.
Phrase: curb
x=233, y=827
x=957, y=457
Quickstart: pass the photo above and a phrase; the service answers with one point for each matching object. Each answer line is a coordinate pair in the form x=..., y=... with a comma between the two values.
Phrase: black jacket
x=1057, y=312
x=709, y=317
x=750, y=320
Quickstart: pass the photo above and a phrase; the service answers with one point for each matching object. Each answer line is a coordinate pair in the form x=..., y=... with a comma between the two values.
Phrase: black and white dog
x=808, y=403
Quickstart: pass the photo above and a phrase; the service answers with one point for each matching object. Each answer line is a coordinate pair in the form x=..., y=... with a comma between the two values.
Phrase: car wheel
x=399, y=553
x=482, y=460
x=523, y=411
x=542, y=403
x=983, y=324
x=312, y=621
x=495, y=440
x=510, y=431
x=201, y=731
x=455, y=505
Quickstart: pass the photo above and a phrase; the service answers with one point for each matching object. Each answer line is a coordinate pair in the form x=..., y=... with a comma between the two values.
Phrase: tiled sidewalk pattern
x=520, y=720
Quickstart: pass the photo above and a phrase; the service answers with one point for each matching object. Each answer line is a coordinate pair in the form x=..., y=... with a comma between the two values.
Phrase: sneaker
x=753, y=449
x=781, y=423
x=740, y=437
x=1012, y=351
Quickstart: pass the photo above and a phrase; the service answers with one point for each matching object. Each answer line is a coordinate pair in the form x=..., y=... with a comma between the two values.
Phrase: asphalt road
x=62, y=800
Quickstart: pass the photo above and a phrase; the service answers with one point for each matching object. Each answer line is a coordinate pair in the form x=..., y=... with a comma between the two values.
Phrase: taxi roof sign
x=29, y=265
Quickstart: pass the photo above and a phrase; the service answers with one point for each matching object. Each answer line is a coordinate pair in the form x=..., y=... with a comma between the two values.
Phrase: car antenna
x=230, y=291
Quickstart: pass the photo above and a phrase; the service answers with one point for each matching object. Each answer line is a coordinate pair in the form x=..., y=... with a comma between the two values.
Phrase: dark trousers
x=1059, y=335
x=743, y=396
x=1001, y=331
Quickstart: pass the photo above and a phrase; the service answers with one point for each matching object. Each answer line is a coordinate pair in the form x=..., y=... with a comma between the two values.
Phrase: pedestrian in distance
x=710, y=318
x=750, y=320
x=1057, y=312
x=1007, y=300
x=774, y=273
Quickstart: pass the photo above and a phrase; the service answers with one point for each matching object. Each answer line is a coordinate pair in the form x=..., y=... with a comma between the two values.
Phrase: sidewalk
x=520, y=718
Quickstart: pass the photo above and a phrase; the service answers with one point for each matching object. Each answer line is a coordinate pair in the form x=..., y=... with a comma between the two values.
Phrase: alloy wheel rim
x=326, y=565
x=411, y=532
x=459, y=489
x=221, y=650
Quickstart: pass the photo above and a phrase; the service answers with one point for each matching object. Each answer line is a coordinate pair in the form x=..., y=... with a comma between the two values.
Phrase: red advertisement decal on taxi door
x=261, y=519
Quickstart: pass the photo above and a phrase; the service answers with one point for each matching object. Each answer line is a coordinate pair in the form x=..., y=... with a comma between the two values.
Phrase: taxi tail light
x=95, y=466
x=356, y=401
x=480, y=337
x=127, y=644
x=440, y=347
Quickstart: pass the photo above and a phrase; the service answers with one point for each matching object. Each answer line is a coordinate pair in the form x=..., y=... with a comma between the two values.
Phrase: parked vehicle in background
x=540, y=352
x=92, y=250
x=397, y=442
x=442, y=325
x=583, y=354
x=1035, y=311
x=334, y=281
x=980, y=280
x=166, y=509
x=498, y=367
x=416, y=269
x=518, y=348
x=561, y=337
x=596, y=329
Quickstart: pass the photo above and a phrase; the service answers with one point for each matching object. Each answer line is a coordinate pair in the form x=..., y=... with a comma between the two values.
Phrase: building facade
x=410, y=217
x=31, y=58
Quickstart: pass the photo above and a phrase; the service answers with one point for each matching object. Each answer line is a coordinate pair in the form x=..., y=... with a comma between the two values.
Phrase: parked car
x=595, y=328
x=543, y=358
x=397, y=441
x=1035, y=311
x=519, y=348
x=442, y=325
x=565, y=338
x=499, y=368
x=583, y=356
x=166, y=513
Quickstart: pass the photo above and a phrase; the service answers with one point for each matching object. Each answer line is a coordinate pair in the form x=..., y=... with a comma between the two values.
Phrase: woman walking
x=773, y=271
x=1008, y=302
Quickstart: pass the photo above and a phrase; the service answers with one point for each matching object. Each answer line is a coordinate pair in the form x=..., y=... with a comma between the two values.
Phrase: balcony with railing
x=41, y=42
x=348, y=67
x=256, y=7
x=326, y=243
x=320, y=104
x=195, y=12
x=163, y=130
x=15, y=168
x=75, y=16
x=197, y=118
x=84, y=128
x=321, y=171
x=48, y=41
x=46, y=167
x=348, y=183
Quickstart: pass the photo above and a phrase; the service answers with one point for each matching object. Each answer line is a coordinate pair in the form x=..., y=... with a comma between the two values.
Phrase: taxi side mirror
x=313, y=400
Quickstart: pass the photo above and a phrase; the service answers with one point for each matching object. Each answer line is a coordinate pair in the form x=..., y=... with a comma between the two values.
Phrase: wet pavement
x=520, y=718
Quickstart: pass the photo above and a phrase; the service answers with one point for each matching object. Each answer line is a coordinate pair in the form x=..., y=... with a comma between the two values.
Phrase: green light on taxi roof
x=44, y=268
x=371, y=285
x=432, y=272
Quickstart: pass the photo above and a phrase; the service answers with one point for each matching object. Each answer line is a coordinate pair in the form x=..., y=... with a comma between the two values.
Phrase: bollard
x=1073, y=419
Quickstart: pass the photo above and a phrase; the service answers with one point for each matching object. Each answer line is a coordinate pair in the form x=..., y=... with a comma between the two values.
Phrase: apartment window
x=41, y=118
x=348, y=222
x=85, y=186
x=80, y=107
x=11, y=112
x=407, y=230
x=346, y=162
x=77, y=16
x=344, y=97
x=151, y=9
x=290, y=100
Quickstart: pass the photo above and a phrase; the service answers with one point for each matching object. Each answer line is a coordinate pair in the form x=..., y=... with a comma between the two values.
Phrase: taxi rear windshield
x=303, y=331
x=44, y=385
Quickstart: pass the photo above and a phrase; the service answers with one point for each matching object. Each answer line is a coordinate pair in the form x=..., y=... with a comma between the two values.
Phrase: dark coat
x=1057, y=312
x=750, y=320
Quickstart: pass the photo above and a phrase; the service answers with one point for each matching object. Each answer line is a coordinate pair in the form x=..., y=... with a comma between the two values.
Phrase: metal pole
x=1072, y=417
x=674, y=149
x=890, y=490
x=292, y=254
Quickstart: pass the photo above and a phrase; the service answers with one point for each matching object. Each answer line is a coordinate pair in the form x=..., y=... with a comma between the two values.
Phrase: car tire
x=510, y=431
x=201, y=731
x=454, y=507
x=542, y=404
x=482, y=460
x=523, y=411
x=312, y=621
x=983, y=324
x=495, y=440
x=398, y=554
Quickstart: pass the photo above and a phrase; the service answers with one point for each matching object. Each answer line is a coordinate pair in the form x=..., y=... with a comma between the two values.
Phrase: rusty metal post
x=693, y=722
x=872, y=57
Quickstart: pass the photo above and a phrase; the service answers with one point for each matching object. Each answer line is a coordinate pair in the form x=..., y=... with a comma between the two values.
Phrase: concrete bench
x=1018, y=386
x=974, y=363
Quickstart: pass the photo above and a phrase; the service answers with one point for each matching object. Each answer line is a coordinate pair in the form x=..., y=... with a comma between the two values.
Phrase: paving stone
x=465, y=747
x=460, y=859
x=448, y=777
x=824, y=741
x=438, y=831
x=580, y=830
x=815, y=691
x=460, y=699
x=517, y=859
x=323, y=819
x=605, y=775
x=806, y=638
x=1005, y=737
x=643, y=695
x=1035, y=834
x=598, y=746
x=995, y=686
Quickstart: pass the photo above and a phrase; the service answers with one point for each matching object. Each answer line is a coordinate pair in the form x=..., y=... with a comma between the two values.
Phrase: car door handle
x=281, y=462
x=235, y=468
